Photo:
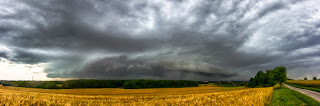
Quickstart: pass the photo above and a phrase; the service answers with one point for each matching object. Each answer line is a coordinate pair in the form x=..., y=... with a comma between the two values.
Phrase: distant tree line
x=225, y=83
x=270, y=78
x=136, y=84
x=232, y=83
x=306, y=78
x=33, y=84
x=314, y=78
x=94, y=83
x=87, y=83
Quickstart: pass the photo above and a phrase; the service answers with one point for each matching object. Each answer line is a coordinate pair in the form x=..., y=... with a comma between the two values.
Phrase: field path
x=313, y=94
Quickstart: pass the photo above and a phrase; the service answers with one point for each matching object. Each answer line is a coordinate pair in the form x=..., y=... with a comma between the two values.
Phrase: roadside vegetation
x=288, y=97
x=282, y=96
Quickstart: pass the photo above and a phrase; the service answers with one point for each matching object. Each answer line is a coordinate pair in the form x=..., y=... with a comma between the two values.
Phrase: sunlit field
x=312, y=83
x=118, y=91
x=200, y=96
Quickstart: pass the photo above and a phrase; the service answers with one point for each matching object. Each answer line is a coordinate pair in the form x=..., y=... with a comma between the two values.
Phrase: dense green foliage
x=270, y=78
x=136, y=84
x=279, y=74
x=287, y=97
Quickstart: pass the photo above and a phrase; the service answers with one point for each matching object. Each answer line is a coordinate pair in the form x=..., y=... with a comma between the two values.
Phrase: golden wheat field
x=308, y=83
x=236, y=97
x=130, y=92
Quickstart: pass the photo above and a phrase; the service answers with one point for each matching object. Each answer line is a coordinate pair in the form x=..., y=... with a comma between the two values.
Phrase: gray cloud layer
x=195, y=40
x=124, y=68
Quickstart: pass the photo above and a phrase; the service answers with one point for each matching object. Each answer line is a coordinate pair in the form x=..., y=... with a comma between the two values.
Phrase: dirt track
x=313, y=94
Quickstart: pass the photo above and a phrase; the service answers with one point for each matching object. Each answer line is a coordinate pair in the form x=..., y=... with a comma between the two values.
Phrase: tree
x=280, y=75
x=270, y=81
x=270, y=78
x=252, y=82
x=305, y=78
x=261, y=79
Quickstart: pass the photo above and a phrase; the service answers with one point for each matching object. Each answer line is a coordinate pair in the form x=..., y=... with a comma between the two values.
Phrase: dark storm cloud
x=4, y=55
x=198, y=40
x=124, y=68
x=28, y=57
x=80, y=37
x=64, y=28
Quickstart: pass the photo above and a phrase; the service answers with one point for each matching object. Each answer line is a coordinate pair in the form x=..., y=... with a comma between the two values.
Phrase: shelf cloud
x=165, y=39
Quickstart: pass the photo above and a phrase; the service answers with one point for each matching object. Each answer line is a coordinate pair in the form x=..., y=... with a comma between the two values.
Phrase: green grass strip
x=288, y=97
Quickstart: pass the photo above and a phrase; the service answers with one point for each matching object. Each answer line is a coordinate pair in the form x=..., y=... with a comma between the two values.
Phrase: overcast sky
x=158, y=39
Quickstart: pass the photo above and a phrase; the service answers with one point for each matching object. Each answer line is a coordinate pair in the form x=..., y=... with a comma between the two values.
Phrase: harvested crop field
x=252, y=96
x=119, y=91
x=308, y=83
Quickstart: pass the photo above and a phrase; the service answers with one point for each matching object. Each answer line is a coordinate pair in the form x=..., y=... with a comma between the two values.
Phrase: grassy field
x=288, y=97
x=163, y=96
